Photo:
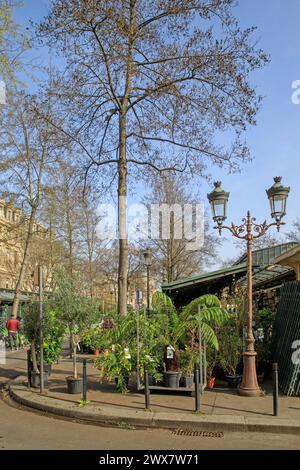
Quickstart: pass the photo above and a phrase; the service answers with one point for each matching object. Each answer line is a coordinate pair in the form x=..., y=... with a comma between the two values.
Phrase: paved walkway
x=218, y=401
x=57, y=434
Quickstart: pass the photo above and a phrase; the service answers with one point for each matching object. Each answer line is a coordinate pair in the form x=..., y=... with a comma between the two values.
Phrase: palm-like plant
x=213, y=315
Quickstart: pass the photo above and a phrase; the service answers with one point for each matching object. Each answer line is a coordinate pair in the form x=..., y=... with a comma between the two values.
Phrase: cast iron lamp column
x=248, y=231
x=147, y=259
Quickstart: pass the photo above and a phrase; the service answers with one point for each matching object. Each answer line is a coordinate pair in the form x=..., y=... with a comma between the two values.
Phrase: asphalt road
x=22, y=429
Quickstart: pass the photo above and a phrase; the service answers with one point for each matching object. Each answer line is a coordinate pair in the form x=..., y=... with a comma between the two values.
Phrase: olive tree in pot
x=76, y=311
x=31, y=328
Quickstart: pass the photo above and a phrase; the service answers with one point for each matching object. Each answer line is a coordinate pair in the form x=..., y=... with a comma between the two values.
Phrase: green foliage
x=162, y=304
x=188, y=358
x=211, y=361
x=53, y=330
x=161, y=328
x=212, y=315
x=264, y=320
x=230, y=345
x=115, y=365
x=53, y=337
x=82, y=402
x=75, y=309
x=119, y=341
x=93, y=339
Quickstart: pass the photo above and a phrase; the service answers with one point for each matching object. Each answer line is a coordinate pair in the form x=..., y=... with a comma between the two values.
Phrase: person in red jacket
x=13, y=326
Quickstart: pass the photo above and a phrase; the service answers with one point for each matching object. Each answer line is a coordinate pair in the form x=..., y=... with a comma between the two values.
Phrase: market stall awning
x=8, y=296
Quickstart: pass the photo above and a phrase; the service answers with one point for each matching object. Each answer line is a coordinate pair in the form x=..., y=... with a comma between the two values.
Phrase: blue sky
x=275, y=141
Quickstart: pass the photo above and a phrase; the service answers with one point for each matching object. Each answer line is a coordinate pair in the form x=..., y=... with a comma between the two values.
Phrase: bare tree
x=12, y=40
x=294, y=234
x=63, y=206
x=145, y=79
x=173, y=255
x=27, y=146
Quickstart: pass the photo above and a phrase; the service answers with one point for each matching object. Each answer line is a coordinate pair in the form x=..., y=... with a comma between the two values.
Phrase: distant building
x=12, y=237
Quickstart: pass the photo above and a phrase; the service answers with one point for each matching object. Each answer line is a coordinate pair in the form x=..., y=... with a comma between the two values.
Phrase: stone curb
x=105, y=415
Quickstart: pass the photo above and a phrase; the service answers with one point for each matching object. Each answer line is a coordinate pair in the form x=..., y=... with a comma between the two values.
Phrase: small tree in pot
x=31, y=328
x=52, y=334
x=230, y=350
x=76, y=311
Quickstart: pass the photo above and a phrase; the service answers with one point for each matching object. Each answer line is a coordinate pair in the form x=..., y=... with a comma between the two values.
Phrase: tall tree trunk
x=123, y=242
x=17, y=295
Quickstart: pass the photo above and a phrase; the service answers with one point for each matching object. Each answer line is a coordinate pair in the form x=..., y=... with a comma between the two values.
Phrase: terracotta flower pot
x=211, y=382
x=97, y=352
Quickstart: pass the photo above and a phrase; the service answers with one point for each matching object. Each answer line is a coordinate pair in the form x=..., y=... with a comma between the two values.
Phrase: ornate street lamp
x=277, y=195
x=148, y=261
x=248, y=231
x=218, y=199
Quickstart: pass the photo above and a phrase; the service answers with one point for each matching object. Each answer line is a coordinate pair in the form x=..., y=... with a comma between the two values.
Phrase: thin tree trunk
x=123, y=242
x=122, y=170
x=33, y=356
x=17, y=295
x=75, y=375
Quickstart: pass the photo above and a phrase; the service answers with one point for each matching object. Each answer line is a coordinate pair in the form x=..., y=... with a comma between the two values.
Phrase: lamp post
x=248, y=231
x=147, y=260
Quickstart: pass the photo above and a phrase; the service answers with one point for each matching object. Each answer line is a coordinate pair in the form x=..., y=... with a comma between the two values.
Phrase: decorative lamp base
x=249, y=386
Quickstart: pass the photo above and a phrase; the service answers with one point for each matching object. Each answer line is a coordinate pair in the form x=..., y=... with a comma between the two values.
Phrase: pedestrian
x=13, y=325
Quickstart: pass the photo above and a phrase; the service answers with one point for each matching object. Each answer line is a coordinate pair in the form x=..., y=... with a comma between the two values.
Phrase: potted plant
x=264, y=320
x=53, y=337
x=188, y=358
x=31, y=328
x=117, y=363
x=230, y=350
x=183, y=328
x=211, y=360
x=76, y=312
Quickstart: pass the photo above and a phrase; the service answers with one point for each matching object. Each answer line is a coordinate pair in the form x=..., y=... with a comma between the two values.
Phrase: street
x=24, y=430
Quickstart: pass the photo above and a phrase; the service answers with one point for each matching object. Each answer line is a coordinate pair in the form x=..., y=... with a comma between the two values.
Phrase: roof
x=205, y=277
x=265, y=269
x=266, y=256
x=8, y=295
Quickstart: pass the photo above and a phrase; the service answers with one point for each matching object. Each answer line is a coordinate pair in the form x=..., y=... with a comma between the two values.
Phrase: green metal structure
x=286, y=339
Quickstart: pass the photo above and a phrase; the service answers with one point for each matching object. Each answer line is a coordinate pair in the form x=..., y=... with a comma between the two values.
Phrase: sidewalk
x=220, y=407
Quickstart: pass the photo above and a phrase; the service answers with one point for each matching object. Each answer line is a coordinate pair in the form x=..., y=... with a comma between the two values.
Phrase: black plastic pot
x=171, y=379
x=75, y=386
x=35, y=379
x=187, y=381
x=48, y=368
x=233, y=380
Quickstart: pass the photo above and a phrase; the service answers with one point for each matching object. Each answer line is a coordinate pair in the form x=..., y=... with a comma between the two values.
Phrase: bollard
x=275, y=389
x=29, y=367
x=197, y=383
x=84, y=380
x=146, y=387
